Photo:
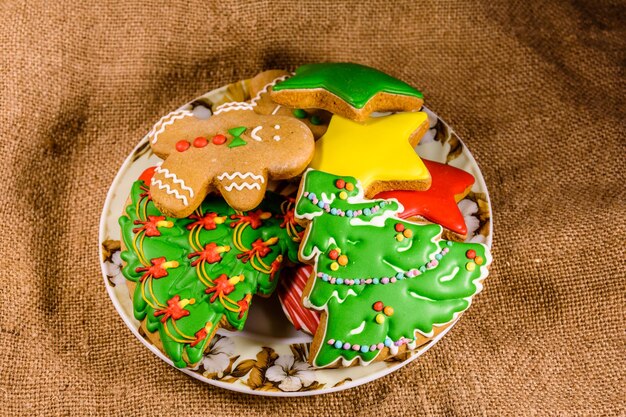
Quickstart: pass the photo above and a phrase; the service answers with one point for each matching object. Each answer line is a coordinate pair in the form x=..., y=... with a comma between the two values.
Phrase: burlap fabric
x=536, y=90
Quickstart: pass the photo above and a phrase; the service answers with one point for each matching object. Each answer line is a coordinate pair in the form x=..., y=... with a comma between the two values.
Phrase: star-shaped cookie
x=378, y=152
x=350, y=90
x=438, y=204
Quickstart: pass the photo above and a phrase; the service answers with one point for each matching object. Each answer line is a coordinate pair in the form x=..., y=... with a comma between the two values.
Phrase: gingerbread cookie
x=438, y=204
x=378, y=152
x=383, y=284
x=190, y=276
x=234, y=152
x=292, y=284
x=260, y=88
x=351, y=90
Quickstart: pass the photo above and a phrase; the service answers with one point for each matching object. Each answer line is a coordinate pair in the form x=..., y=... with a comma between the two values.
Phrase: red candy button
x=333, y=254
x=219, y=139
x=399, y=227
x=471, y=254
x=200, y=142
x=340, y=183
x=378, y=306
x=182, y=145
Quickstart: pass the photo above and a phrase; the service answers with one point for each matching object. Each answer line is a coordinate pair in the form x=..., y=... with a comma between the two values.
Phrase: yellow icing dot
x=408, y=233
x=479, y=260
x=380, y=319
x=343, y=260
x=334, y=266
x=388, y=311
x=470, y=266
x=343, y=195
x=399, y=237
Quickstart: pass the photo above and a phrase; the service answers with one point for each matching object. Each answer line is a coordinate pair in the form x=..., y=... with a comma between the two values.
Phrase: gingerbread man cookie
x=261, y=102
x=235, y=151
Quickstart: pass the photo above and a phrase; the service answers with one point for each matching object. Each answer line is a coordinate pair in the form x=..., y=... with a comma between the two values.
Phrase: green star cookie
x=350, y=90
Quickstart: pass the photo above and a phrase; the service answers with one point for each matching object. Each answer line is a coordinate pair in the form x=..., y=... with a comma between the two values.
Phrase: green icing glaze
x=356, y=84
x=400, y=264
x=243, y=253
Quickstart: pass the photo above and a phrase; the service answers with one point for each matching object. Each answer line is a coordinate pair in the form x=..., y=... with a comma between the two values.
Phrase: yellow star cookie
x=379, y=152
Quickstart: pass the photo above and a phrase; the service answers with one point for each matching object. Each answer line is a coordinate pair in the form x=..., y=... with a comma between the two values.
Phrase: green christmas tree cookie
x=193, y=275
x=380, y=281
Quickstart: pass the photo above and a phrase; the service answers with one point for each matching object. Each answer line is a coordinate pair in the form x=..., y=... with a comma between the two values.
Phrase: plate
x=239, y=361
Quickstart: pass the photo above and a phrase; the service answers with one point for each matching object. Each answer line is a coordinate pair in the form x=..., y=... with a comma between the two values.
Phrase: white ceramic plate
x=238, y=361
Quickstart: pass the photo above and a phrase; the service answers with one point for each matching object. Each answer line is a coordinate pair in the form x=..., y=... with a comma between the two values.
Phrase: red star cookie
x=438, y=204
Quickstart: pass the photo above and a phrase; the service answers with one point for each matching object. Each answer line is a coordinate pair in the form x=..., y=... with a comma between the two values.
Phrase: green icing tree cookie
x=379, y=279
x=196, y=274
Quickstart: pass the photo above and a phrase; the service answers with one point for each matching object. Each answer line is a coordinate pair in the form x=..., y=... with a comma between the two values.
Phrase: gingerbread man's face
x=234, y=152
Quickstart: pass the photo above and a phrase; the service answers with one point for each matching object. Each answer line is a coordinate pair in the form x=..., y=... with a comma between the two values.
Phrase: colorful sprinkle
x=200, y=142
x=364, y=349
x=315, y=120
x=388, y=311
x=408, y=233
x=343, y=260
x=338, y=344
x=356, y=347
x=333, y=254
x=399, y=227
x=340, y=184
x=479, y=260
x=349, y=186
x=471, y=254
x=300, y=113
x=343, y=195
x=182, y=145
x=334, y=266
x=399, y=237
x=380, y=319
x=331, y=341
x=470, y=266
x=347, y=346
x=378, y=306
x=380, y=346
x=219, y=139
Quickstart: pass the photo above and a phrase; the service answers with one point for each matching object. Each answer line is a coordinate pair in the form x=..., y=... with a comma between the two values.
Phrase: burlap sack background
x=536, y=90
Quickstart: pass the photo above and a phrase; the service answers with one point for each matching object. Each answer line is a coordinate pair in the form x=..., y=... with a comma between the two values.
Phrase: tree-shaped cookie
x=190, y=276
x=234, y=152
x=350, y=90
x=379, y=281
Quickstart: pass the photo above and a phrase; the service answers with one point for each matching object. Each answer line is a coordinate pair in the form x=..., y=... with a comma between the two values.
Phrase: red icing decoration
x=291, y=284
x=399, y=227
x=255, y=218
x=147, y=175
x=340, y=183
x=172, y=310
x=259, y=247
x=149, y=226
x=219, y=139
x=155, y=271
x=207, y=221
x=378, y=306
x=471, y=254
x=222, y=287
x=208, y=254
x=200, y=336
x=333, y=254
x=438, y=203
x=182, y=145
x=200, y=142
x=275, y=266
x=244, y=305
